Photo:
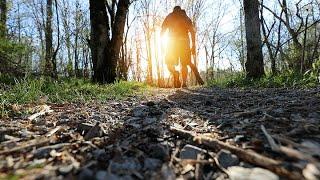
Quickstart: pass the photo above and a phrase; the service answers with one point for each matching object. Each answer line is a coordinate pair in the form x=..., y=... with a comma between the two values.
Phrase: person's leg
x=184, y=72
x=175, y=74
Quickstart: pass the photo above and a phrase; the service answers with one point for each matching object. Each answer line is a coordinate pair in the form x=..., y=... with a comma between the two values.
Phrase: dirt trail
x=207, y=133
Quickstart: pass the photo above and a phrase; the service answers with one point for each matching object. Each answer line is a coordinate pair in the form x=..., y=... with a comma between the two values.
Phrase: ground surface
x=207, y=133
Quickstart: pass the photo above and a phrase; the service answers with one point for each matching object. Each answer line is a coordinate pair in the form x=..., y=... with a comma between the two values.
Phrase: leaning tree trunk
x=117, y=38
x=99, y=39
x=254, y=64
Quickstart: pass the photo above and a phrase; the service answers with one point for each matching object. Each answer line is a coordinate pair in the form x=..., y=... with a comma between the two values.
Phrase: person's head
x=177, y=9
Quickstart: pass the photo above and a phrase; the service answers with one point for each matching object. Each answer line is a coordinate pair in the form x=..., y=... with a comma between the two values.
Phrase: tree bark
x=106, y=50
x=48, y=40
x=99, y=39
x=3, y=18
x=117, y=38
x=254, y=64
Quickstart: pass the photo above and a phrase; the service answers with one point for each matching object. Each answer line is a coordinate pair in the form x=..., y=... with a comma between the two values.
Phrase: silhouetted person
x=179, y=26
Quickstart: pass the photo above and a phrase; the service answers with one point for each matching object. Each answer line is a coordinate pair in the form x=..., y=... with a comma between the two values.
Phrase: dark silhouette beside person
x=179, y=26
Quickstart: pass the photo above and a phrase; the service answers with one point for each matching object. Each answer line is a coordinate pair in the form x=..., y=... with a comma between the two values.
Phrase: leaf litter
x=207, y=133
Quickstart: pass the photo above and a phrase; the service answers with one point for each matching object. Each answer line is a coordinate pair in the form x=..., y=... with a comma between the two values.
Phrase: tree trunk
x=48, y=39
x=254, y=64
x=99, y=40
x=105, y=52
x=3, y=18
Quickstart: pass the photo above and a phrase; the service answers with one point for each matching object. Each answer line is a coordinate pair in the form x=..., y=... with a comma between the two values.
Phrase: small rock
x=25, y=133
x=135, y=125
x=84, y=127
x=159, y=151
x=190, y=152
x=86, y=174
x=208, y=103
x=150, y=103
x=141, y=111
x=38, y=121
x=100, y=155
x=315, y=115
x=152, y=164
x=311, y=172
x=240, y=173
x=167, y=173
x=95, y=131
x=227, y=159
x=239, y=138
x=148, y=121
x=125, y=166
x=44, y=152
x=103, y=175
x=277, y=112
x=64, y=170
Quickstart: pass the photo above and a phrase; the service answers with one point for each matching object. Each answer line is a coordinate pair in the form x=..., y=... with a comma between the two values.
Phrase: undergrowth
x=30, y=90
x=287, y=79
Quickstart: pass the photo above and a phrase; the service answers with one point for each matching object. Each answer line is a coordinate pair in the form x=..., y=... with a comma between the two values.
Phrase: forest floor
x=196, y=133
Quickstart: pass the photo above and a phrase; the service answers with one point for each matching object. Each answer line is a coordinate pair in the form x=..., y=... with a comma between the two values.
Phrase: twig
x=53, y=131
x=192, y=161
x=199, y=167
x=271, y=141
x=41, y=113
x=245, y=155
x=32, y=143
x=286, y=150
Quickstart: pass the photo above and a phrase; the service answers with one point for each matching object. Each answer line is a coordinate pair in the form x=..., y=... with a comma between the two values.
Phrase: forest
x=170, y=89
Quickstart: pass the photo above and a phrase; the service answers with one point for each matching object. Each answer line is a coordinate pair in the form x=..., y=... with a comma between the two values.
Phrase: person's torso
x=178, y=27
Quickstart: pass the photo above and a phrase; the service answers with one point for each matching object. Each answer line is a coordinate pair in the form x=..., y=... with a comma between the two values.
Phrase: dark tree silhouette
x=105, y=46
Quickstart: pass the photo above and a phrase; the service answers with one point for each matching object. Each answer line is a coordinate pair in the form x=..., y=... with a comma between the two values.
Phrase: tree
x=3, y=18
x=254, y=64
x=106, y=37
x=48, y=40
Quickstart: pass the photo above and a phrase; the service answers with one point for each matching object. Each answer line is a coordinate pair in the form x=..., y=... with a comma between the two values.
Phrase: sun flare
x=159, y=51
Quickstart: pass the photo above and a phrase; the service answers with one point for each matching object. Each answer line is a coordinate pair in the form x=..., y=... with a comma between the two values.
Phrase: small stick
x=41, y=113
x=286, y=150
x=245, y=155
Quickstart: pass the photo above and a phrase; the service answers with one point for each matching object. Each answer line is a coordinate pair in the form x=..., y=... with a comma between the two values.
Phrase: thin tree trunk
x=117, y=38
x=48, y=39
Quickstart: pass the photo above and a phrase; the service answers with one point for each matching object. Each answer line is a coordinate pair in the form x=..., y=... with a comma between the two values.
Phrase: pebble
x=103, y=175
x=159, y=151
x=151, y=164
x=190, y=152
x=125, y=166
x=227, y=159
x=86, y=174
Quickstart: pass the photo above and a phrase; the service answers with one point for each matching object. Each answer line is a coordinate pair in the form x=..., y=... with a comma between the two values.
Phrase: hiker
x=179, y=26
